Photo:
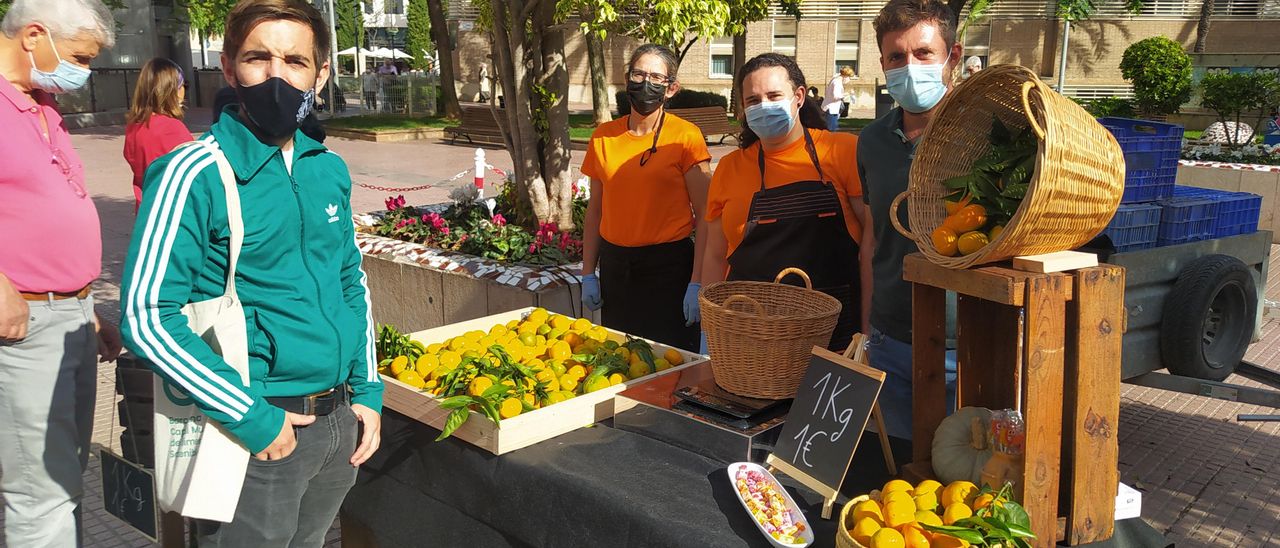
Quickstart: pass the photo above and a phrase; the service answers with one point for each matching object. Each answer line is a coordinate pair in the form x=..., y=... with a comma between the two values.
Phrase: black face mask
x=646, y=96
x=275, y=107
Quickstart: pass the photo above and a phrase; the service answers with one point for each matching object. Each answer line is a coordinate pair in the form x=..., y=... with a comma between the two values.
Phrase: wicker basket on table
x=760, y=335
x=845, y=524
x=1078, y=181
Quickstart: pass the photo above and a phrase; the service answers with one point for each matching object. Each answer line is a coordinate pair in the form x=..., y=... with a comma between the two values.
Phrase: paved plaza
x=1206, y=479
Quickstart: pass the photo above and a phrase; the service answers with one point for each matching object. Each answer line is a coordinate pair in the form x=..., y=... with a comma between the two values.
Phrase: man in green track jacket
x=313, y=381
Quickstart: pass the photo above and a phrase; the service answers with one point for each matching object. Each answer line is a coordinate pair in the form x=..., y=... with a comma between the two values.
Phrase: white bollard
x=480, y=163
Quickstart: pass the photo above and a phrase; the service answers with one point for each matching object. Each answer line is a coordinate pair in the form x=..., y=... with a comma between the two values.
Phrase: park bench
x=711, y=120
x=478, y=123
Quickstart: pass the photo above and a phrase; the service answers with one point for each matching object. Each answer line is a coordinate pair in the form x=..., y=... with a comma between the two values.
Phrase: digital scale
x=688, y=410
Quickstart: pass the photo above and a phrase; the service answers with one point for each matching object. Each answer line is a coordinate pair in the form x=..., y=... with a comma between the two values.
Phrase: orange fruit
x=970, y=242
x=864, y=528
x=996, y=231
x=914, y=536
x=925, y=517
x=944, y=240
x=958, y=491
x=941, y=540
x=956, y=512
x=953, y=207
x=510, y=407
x=897, y=512
x=887, y=538
x=673, y=356
x=868, y=508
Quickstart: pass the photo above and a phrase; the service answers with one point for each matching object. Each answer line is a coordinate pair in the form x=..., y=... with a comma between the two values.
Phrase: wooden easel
x=856, y=352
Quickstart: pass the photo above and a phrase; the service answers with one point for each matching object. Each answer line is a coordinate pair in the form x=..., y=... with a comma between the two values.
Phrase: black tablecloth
x=596, y=487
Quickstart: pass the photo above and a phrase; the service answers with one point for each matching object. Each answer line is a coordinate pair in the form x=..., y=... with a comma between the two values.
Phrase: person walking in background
x=313, y=382
x=972, y=66
x=388, y=67
x=154, y=122
x=369, y=83
x=649, y=173
x=835, y=97
x=50, y=335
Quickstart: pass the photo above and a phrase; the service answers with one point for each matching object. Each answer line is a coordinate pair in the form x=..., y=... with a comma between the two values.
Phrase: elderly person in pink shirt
x=50, y=336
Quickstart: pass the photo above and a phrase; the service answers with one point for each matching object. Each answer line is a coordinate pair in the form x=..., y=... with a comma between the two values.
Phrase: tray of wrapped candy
x=770, y=506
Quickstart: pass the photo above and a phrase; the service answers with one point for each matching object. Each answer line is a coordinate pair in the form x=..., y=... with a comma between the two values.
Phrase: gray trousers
x=48, y=382
x=292, y=502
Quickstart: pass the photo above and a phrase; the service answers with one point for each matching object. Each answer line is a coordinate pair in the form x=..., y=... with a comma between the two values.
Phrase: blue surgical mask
x=917, y=88
x=66, y=77
x=770, y=119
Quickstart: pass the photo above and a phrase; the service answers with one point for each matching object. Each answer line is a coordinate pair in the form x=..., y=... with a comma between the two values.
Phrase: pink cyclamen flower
x=444, y=231
x=533, y=248
x=400, y=201
x=498, y=219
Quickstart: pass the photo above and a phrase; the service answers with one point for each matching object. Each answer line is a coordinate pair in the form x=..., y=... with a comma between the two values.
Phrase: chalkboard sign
x=128, y=492
x=826, y=421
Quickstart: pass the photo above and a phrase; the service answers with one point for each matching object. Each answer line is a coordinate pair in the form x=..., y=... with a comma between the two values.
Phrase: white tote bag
x=200, y=467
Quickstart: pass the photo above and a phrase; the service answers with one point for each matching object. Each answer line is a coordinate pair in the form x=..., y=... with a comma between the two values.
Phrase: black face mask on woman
x=646, y=96
x=275, y=107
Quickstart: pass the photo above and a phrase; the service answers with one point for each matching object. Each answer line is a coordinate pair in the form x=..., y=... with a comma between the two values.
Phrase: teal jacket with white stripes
x=304, y=294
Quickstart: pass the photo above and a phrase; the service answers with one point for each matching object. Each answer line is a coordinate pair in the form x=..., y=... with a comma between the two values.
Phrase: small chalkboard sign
x=836, y=398
x=128, y=492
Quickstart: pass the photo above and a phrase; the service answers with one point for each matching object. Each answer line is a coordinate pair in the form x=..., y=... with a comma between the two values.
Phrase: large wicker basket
x=761, y=335
x=1079, y=175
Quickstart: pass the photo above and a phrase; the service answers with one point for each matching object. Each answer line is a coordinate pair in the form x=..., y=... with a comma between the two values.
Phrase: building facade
x=835, y=33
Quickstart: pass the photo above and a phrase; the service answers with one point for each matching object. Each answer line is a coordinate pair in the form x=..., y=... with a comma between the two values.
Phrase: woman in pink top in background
x=155, y=118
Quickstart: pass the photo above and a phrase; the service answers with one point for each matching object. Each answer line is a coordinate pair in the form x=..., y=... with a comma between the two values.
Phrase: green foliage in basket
x=1001, y=177
x=1002, y=523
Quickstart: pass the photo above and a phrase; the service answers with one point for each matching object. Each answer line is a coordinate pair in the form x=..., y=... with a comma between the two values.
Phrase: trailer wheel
x=1208, y=318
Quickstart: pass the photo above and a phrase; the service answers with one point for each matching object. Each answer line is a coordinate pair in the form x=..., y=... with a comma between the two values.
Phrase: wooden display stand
x=1048, y=345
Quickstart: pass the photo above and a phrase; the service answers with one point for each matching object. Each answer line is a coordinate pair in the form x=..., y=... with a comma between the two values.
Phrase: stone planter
x=414, y=287
x=386, y=136
x=1262, y=180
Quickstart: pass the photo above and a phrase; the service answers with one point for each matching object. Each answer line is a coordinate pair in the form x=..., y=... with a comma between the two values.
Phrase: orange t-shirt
x=737, y=179
x=649, y=204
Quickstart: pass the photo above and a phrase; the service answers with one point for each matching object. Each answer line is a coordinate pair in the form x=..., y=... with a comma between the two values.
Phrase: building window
x=848, y=32
x=977, y=42
x=721, y=57
x=784, y=36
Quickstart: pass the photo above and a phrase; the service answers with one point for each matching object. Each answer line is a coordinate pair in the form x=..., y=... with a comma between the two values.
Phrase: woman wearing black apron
x=649, y=177
x=789, y=197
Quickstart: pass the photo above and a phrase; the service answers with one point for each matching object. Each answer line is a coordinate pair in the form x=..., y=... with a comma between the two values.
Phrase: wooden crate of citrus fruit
x=510, y=380
x=931, y=515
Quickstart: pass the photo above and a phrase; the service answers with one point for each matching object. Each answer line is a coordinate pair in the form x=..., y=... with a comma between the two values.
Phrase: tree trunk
x=599, y=86
x=1202, y=27
x=440, y=33
x=556, y=175
x=739, y=59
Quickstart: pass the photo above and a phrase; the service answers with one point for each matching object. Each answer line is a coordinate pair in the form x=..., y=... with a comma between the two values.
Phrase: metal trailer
x=1194, y=309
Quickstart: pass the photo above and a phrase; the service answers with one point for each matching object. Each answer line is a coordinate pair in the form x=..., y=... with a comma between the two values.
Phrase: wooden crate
x=527, y=428
x=1047, y=345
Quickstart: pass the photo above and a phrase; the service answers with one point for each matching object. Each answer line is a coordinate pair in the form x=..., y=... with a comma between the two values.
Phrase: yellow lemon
x=926, y=501
x=597, y=383
x=637, y=370
x=887, y=538
x=897, y=512
x=971, y=242
x=510, y=407
x=899, y=496
x=616, y=378
x=661, y=364
x=478, y=385
x=426, y=363
x=410, y=377
x=914, y=536
x=568, y=382
x=560, y=351
x=928, y=518
x=941, y=540
x=868, y=508
x=539, y=315
x=897, y=485
x=581, y=324
x=673, y=356
x=450, y=359
x=864, y=528
x=399, y=364
x=455, y=344
x=560, y=322
x=577, y=371
x=498, y=331
x=996, y=231
x=958, y=491
x=982, y=501
x=927, y=486
x=438, y=372
x=956, y=512
x=434, y=348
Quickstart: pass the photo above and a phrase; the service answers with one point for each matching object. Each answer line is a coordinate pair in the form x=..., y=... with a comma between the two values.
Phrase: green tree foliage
x=350, y=23
x=1160, y=72
x=208, y=17
x=419, y=33
x=1237, y=96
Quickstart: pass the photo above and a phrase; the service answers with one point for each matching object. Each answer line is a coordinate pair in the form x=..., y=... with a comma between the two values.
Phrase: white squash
x=960, y=447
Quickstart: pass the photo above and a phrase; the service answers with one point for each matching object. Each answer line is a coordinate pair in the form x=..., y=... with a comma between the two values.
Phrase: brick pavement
x=1206, y=479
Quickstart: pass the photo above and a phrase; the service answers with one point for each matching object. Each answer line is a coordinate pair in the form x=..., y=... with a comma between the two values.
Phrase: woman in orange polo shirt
x=649, y=173
x=789, y=196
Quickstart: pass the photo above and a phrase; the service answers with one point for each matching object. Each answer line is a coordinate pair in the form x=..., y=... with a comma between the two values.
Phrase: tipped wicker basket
x=1073, y=194
x=760, y=335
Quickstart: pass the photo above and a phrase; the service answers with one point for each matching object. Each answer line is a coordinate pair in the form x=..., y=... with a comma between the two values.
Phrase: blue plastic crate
x=1186, y=219
x=1151, y=152
x=1238, y=212
x=1134, y=226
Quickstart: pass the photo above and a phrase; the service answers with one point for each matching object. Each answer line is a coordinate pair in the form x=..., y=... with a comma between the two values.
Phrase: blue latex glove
x=692, y=314
x=591, y=292
x=702, y=343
